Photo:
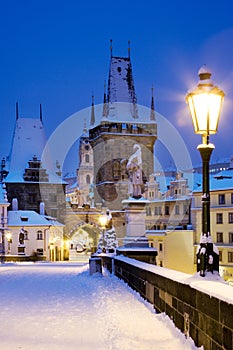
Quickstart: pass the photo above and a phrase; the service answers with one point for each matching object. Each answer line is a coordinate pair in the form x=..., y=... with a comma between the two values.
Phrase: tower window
x=119, y=69
x=87, y=158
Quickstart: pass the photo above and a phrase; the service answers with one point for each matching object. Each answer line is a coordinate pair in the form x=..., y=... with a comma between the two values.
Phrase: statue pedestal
x=135, y=213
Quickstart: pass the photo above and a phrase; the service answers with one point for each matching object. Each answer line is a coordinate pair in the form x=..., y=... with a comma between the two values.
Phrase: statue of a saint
x=21, y=236
x=134, y=168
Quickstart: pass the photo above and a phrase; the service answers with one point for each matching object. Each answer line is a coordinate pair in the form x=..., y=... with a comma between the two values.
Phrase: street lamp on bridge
x=205, y=103
x=103, y=222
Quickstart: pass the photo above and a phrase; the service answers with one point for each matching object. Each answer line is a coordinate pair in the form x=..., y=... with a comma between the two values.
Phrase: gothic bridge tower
x=122, y=126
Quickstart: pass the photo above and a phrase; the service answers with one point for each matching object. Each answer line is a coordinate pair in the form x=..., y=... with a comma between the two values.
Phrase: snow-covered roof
x=28, y=141
x=123, y=112
x=221, y=181
x=120, y=83
x=53, y=221
x=121, y=100
x=136, y=249
x=28, y=218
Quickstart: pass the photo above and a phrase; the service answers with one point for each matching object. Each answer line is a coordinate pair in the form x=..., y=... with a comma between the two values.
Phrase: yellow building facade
x=168, y=223
x=221, y=219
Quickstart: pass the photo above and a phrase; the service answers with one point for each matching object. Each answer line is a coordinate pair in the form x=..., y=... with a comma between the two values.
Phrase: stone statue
x=134, y=168
x=21, y=236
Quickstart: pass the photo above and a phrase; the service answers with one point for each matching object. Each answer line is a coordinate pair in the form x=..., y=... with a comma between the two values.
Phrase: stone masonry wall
x=207, y=320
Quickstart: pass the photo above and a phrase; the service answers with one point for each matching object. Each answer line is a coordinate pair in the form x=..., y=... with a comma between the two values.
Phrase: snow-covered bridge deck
x=60, y=306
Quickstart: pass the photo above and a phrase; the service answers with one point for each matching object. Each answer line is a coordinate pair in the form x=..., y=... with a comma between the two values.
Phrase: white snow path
x=60, y=306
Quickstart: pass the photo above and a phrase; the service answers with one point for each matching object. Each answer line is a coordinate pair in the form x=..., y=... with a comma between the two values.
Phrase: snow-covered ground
x=56, y=306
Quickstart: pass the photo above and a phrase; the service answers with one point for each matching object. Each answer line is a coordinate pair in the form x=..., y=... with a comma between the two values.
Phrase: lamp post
x=9, y=241
x=205, y=103
x=2, y=245
x=103, y=221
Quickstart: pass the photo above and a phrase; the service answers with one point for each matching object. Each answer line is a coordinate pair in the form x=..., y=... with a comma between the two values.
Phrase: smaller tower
x=92, y=112
x=85, y=171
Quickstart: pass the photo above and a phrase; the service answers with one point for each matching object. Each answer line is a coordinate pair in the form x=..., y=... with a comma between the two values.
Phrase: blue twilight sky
x=57, y=53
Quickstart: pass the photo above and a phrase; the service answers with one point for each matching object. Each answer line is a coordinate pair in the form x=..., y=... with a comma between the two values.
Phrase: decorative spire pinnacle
x=41, y=113
x=92, y=112
x=152, y=111
x=105, y=104
x=17, y=110
x=111, y=47
x=129, y=48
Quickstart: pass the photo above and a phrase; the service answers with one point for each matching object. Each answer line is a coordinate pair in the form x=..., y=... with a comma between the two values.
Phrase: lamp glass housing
x=103, y=220
x=205, y=107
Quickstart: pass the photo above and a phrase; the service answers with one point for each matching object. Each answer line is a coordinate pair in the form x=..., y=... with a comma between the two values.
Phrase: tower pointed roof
x=29, y=139
x=121, y=84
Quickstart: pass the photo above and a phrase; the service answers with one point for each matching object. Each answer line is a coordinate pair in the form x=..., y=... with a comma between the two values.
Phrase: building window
x=219, y=218
x=167, y=210
x=160, y=247
x=186, y=209
x=177, y=210
x=149, y=211
x=152, y=245
x=230, y=218
x=21, y=250
x=159, y=211
x=230, y=237
x=221, y=199
x=40, y=252
x=230, y=257
x=40, y=235
x=231, y=198
x=220, y=255
x=219, y=237
x=156, y=211
x=87, y=158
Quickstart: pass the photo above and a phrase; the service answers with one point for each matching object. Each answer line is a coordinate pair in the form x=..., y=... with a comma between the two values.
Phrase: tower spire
x=92, y=111
x=152, y=110
x=105, y=104
x=128, y=48
x=111, y=47
x=17, y=110
x=41, y=113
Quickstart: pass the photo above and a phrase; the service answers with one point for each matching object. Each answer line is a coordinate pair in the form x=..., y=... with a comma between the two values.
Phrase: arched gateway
x=83, y=240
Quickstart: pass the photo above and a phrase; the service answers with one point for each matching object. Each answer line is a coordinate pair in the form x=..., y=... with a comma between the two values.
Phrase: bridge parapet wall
x=207, y=319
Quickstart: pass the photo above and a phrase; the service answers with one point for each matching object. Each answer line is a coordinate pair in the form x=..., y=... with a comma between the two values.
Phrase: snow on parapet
x=212, y=284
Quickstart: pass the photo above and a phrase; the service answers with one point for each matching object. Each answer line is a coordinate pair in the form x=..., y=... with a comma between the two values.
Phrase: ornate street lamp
x=205, y=103
x=103, y=222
